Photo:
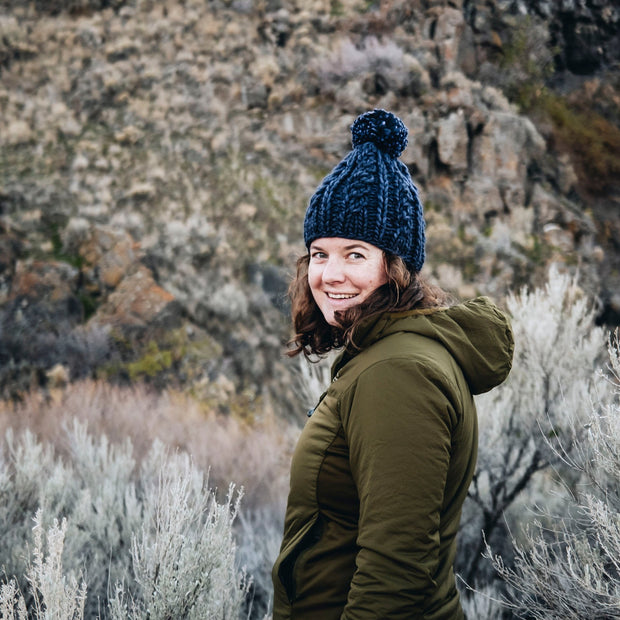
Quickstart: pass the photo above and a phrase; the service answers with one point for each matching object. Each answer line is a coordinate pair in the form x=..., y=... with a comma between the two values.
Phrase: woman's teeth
x=340, y=296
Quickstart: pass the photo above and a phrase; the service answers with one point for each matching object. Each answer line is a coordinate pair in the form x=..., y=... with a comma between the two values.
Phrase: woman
x=384, y=462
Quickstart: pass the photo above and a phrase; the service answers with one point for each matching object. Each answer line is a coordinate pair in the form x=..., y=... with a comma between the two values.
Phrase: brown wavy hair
x=405, y=290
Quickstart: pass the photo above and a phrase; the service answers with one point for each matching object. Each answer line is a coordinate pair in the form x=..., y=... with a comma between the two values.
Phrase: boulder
x=106, y=253
x=453, y=141
x=137, y=301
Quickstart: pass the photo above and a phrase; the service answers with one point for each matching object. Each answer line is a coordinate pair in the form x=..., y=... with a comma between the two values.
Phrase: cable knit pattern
x=369, y=195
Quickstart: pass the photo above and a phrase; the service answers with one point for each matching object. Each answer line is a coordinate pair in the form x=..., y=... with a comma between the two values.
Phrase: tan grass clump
x=253, y=455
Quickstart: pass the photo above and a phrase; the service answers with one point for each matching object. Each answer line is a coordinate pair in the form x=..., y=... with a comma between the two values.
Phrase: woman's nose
x=333, y=271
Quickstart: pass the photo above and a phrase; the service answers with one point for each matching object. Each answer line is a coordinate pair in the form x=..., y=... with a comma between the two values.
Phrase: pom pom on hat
x=369, y=196
x=381, y=128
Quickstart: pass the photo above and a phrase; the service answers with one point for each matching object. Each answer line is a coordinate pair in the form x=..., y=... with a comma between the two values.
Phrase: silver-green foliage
x=558, y=352
x=146, y=542
x=184, y=555
x=569, y=567
x=55, y=595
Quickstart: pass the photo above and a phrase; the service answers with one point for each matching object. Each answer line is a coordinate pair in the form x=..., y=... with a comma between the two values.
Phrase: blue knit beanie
x=369, y=196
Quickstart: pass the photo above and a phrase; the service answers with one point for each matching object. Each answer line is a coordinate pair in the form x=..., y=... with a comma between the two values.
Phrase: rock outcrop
x=157, y=158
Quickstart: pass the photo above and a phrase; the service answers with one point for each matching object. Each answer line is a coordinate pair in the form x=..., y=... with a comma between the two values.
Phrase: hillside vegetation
x=157, y=158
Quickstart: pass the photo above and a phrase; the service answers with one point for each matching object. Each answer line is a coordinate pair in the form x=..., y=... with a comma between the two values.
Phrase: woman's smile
x=341, y=295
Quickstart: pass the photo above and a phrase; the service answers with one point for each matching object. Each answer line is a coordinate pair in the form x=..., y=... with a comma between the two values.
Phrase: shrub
x=153, y=362
x=183, y=557
x=570, y=569
x=482, y=604
x=51, y=594
x=381, y=65
x=557, y=353
x=526, y=62
x=592, y=141
x=154, y=534
x=128, y=421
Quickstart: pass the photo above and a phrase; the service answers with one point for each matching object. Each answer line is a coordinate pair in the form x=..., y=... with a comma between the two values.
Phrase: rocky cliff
x=157, y=157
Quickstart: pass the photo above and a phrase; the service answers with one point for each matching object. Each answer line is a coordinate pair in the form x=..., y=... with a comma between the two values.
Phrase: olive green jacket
x=382, y=468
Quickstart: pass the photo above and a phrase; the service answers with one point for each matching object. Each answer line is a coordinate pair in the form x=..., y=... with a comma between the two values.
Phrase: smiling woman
x=383, y=465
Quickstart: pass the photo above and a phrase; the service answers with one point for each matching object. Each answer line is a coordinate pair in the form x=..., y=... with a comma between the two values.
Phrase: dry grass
x=255, y=456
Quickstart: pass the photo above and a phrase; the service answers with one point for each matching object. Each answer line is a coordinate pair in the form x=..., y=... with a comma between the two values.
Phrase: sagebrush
x=568, y=566
x=148, y=540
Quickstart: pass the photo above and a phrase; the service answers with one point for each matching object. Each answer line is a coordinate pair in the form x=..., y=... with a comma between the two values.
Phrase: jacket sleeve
x=398, y=419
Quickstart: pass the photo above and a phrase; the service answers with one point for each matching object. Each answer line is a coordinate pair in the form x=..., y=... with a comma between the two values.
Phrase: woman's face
x=343, y=273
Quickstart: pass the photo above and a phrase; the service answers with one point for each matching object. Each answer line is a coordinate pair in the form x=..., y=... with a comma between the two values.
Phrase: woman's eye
x=356, y=255
x=318, y=255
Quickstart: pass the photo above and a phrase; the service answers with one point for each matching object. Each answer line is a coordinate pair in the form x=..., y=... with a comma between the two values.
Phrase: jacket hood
x=476, y=333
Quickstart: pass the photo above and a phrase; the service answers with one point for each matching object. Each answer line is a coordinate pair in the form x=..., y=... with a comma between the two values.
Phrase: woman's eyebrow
x=352, y=246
